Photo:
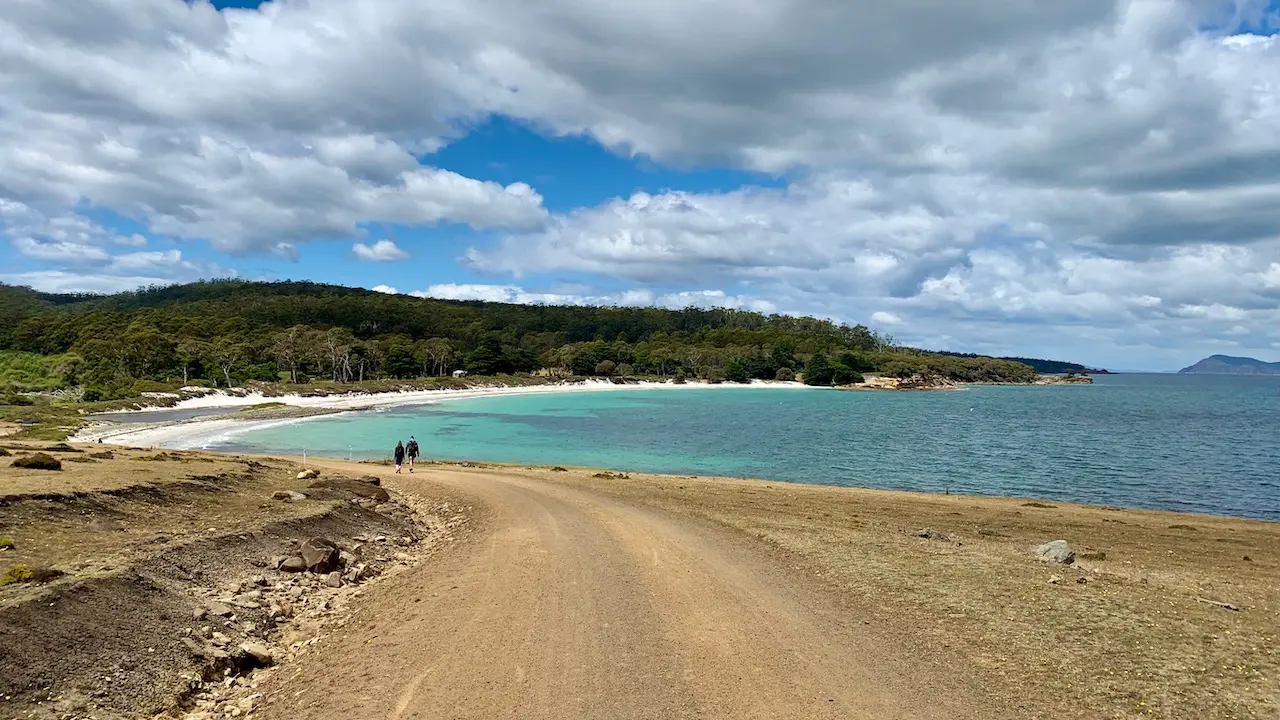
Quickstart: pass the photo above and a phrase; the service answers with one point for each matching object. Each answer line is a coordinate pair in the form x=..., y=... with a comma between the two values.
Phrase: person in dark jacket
x=412, y=451
x=399, y=455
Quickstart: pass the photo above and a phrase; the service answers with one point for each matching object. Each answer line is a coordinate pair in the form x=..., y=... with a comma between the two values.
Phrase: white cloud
x=1008, y=174
x=885, y=318
x=381, y=251
x=633, y=298
x=386, y=289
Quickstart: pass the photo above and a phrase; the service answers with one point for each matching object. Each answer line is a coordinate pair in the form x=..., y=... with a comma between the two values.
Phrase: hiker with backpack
x=412, y=452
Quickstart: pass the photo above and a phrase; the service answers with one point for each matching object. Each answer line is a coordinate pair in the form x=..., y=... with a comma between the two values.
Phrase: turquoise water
x=1191, y=443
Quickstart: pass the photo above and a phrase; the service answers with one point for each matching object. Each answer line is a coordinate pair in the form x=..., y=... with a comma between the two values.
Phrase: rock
x=259, y=580
x=1055, y=579
x=200, y=613
x=1082, y=580
x=353, y=487
x=372, y=480
x=293, y=564
x=1057, y=551
x=931, y=534
x=219, y=639
x=320, y=555
x=347, y=559
x=333, y=579
x=217, y=608
x=309, y=474
x=287, y=495
x=260, y=654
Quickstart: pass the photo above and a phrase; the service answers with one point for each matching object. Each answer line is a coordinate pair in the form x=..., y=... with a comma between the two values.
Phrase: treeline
x=1047, y=367
x=226, y=333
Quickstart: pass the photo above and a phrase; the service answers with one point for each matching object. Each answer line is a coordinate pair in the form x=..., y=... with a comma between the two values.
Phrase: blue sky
x=1083, y=181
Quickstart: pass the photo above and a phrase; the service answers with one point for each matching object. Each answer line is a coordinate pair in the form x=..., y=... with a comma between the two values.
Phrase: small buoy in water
x=970, y=409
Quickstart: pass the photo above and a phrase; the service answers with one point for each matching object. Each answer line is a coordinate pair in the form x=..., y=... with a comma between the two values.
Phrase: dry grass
x=126, y=504
x=1129, y=640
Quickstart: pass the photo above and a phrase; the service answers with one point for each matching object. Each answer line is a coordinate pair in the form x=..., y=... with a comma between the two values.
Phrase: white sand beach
x=200, y=432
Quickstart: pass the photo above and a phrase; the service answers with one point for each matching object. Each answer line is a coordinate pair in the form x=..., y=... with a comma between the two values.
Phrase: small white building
x=459, y=373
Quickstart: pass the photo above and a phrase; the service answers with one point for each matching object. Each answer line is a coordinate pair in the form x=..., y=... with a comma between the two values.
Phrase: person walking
x=412, y=451
x=399, y=455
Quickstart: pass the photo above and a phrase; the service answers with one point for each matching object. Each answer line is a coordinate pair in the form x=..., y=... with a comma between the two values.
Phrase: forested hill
x=1048, y=367
x=228, y=332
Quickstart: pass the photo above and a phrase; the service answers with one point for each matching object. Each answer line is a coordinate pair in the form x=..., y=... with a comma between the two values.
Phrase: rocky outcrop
x=916, y=382
x=353, y=488
x=1062, y=380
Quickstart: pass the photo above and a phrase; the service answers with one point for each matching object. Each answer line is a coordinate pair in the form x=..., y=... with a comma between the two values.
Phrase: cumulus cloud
x=633, y=298
x=997, y=174
x=381, y=251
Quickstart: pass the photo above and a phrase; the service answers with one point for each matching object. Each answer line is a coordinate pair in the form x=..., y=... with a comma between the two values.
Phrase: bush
x=22, y=573
x=7, y=543
x=16, y=574
x=785, y=374
x=4, y=453
x=94, y=394
x=605, y=367
x=38, y=461
x=843, y=375
x=680, y=377
x=18, y=401
x=149, y=386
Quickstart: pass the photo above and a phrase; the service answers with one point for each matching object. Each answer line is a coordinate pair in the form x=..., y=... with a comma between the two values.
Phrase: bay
x=1189, y=443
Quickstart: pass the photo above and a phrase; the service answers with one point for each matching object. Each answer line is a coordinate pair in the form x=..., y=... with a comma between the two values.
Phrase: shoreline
x=189, y=434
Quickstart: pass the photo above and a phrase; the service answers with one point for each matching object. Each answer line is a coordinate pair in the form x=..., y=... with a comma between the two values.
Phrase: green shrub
x=145, y=386
x=785, y=374
x=843, y=375
x=38, y=461
x=18, y=401
x=22, y=574
x=16, y=574
x=7, y=543
x=94, y=394
x=680, y=378
x=61, y=448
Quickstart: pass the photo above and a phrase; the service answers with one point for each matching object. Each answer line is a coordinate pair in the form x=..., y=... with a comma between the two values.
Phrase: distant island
x=1228, y=365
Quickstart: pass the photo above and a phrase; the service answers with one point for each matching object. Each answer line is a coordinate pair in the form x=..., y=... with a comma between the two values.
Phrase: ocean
x=1173, y=442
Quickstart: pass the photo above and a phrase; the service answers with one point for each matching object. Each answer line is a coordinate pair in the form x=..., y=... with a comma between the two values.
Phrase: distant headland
x=1228, y=365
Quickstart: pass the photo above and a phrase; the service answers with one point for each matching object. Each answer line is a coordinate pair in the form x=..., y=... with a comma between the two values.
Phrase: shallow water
x=1190, y=443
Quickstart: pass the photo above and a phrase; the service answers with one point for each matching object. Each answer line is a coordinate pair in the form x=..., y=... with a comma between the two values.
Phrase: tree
x=401, y=362
x=193, y=354
x=228, y=353
x=289, y=348
x=626, y=371
x=736, y=371
x=337, y=344
x=485, y=359
x=785, y=374
x=437, y=354
x=818, y=371
x=605, y=367
x=843, y=375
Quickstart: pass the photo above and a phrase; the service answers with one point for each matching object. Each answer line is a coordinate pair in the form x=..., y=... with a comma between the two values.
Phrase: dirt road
x=570, y=604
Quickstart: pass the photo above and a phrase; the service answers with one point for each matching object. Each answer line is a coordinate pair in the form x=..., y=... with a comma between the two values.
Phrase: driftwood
x=1228, y=606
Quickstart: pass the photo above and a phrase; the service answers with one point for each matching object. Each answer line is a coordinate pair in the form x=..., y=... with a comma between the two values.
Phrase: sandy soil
x=579, y=594
x=615, y=597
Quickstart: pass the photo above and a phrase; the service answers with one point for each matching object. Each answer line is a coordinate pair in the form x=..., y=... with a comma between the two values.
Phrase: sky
x=1090, y=181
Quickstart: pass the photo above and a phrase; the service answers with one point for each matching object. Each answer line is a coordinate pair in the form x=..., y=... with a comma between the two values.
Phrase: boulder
x=372, y=480
x=333, y=579
x=287, y=495
x=293, y=564
x=218, y=608
x=1057, y=551
x=257, y=652
x=354, y=488
x=347, y=559
x=311, y=474
x=320, y=555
